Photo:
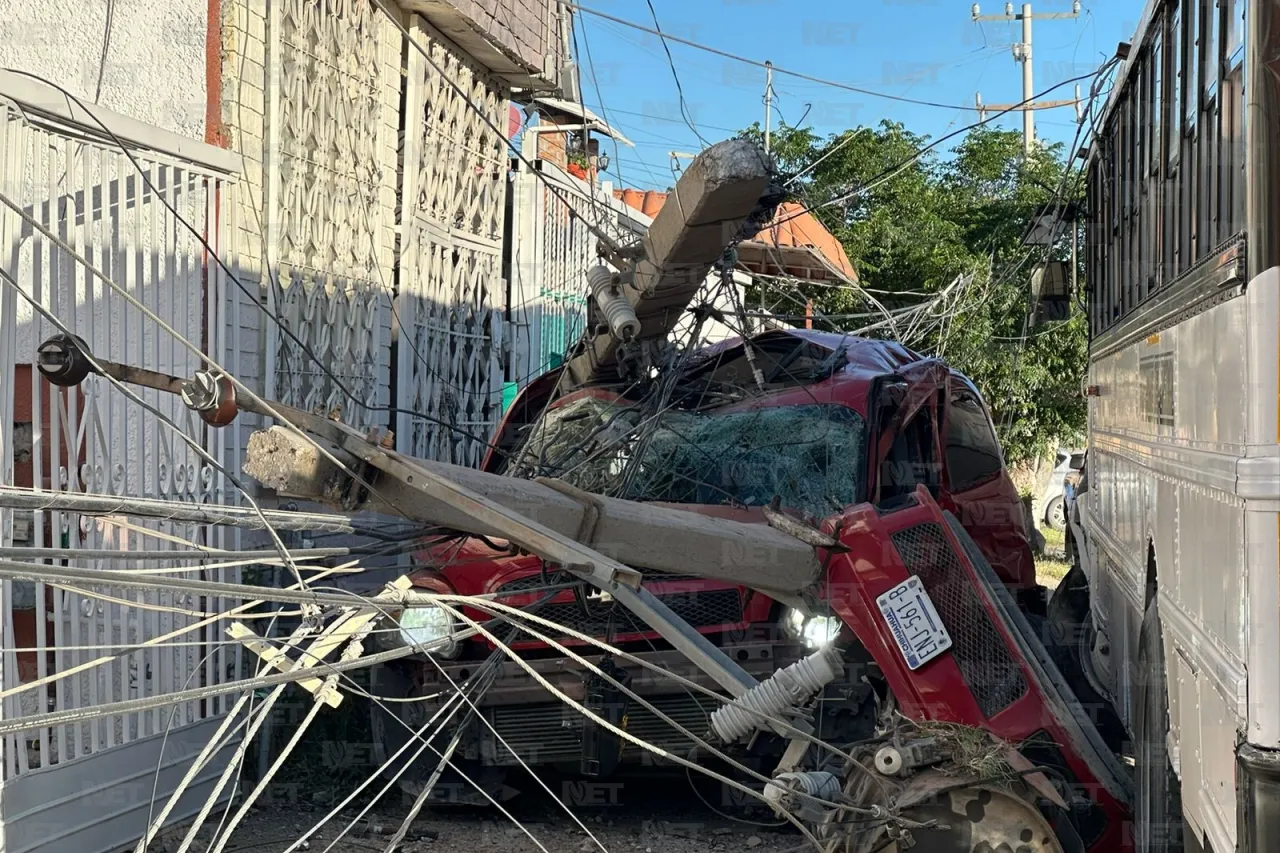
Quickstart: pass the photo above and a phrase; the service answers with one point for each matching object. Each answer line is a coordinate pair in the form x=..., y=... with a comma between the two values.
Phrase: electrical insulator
x=802, y=794
x=781, y=691
x=613, y=304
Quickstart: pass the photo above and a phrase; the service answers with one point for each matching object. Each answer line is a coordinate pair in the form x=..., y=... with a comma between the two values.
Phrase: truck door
x=978, y=489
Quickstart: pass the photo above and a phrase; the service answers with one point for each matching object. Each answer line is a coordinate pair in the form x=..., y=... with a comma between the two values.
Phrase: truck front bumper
x=518, y=716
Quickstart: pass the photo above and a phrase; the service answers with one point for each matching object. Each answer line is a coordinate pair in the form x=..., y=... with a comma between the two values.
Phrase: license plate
x=914, y=622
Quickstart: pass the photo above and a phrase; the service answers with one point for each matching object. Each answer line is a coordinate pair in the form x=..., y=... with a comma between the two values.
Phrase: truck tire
x=1158, y=810
x=393, y=724
x=387, y=719
x=1065, y=635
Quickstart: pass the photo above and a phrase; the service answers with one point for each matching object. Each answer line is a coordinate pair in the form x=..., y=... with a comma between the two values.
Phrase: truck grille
x=990, y=672
x=551, y=732
x=700, y=608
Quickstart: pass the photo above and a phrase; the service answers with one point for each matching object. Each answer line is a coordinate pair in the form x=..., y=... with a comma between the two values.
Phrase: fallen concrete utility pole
x=641, y=535
x=720, y=194
x=723, y=196
x=420, y=491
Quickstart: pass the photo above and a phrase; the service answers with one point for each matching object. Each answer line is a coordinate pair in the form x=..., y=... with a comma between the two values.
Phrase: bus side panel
x=1169, y=432
x=1260, y=488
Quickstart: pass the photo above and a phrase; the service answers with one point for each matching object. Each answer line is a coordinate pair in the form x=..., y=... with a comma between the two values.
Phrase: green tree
x=912, y=221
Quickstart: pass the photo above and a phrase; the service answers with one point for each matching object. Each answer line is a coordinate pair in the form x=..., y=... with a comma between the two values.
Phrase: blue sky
x=925, y=49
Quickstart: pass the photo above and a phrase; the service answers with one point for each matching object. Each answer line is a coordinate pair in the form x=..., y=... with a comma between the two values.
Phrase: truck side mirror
x=1051, y=292
x=1077, y=462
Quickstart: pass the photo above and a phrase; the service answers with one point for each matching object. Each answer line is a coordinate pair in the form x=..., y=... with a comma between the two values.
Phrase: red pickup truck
x=818, y=421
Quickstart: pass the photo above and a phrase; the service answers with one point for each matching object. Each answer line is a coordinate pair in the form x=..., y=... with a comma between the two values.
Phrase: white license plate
x=914, y=622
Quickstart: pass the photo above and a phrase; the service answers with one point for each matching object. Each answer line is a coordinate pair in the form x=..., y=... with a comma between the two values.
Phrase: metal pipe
x=19, y=553
x=12, y=497
x=44, y=573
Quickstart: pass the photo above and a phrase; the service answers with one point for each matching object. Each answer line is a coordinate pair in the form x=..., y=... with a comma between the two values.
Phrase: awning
x=578, y=111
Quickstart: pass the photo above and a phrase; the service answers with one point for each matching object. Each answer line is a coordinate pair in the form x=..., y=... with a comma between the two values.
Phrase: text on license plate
x=914, y=622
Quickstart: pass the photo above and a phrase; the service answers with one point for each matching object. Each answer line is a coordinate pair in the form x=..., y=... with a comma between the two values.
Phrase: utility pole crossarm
x=1022, y=53
x=1038, y=105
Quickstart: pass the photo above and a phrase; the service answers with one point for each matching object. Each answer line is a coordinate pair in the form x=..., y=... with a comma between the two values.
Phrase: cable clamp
x=592, y=507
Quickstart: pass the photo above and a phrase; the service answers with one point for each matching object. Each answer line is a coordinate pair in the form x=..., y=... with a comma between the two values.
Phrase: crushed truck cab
x=833, y=422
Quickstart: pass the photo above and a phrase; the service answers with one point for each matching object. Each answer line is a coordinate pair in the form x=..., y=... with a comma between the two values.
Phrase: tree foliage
x=911, y=227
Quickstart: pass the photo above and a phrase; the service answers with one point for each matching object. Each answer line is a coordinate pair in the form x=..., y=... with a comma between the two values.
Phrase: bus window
x=1175, y=76
x=1157, y=103
x=1212, y=57
x=1191, y=66
x=1235, y=31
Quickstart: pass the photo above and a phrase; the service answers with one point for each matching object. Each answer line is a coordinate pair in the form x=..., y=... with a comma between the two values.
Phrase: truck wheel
x=1055, y=514
x=1158, y=810
x=388, y=721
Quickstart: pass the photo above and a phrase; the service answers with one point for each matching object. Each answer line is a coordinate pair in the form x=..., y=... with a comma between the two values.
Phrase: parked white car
x=1054, y=507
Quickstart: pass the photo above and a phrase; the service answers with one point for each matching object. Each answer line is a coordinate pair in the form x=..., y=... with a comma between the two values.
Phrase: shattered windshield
x=810, y=456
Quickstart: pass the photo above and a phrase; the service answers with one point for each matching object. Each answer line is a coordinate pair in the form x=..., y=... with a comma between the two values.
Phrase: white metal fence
x=88, y=783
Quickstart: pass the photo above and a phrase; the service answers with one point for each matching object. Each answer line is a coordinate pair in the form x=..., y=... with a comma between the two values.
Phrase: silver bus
x=1177, y=533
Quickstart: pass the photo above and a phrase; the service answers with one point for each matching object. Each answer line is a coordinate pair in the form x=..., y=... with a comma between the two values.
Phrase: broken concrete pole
x=703, y=215
x=645, y=536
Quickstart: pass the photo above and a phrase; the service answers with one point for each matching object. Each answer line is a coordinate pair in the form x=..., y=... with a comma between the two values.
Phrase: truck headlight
x=423, y=625
x=814, y=631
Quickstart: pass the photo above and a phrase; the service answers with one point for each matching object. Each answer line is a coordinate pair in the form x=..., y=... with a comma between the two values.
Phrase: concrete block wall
x=526, y=27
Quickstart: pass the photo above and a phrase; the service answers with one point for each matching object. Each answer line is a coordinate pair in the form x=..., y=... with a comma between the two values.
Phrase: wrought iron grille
x=331, y=195
x=990, y=671
x=700, y=608
x=450, y=312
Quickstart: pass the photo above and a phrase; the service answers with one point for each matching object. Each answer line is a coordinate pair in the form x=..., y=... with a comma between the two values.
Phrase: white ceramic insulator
x=790, y=786
x=783, y=690
x=617, y=311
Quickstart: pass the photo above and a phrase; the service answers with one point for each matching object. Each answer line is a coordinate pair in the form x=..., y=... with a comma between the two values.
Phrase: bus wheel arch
x=1158, y=806
x=1152, y=577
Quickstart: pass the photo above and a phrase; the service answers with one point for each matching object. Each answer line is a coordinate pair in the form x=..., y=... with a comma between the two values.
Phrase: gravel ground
x=626, y=815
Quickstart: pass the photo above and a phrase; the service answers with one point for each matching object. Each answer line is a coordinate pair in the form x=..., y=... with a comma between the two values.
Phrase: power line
x=165, y=419
x=252, y=298
x=671, y=63
x=761, y=64
x=897, y=168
